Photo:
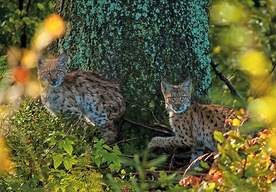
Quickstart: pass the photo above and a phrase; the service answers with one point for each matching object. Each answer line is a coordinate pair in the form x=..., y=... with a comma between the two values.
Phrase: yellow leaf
x=226, y=13
x=55, y=25
x=41, y=39
x=32, y=89
x=236, y=122
x=52, y=28
x=263, y=109
x=255, y=63
x=28, y=59
x=6, y=164
x=239, y=117
x=272, y=143
x=242, y=111
x=13, y=56
x=217, y=49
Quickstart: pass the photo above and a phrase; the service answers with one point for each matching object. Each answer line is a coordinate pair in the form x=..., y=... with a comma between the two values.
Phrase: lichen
x=197, y=27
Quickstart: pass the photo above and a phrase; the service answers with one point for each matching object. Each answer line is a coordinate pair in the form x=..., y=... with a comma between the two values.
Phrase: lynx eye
x=183, y=98
x=171, y=99
x=58, y=73
x=47, y=74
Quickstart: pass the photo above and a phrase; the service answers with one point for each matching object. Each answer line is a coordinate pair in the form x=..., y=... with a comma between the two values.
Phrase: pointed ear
x=62, y=60
x=40, y=62
x=187, y=85
x=165, y=87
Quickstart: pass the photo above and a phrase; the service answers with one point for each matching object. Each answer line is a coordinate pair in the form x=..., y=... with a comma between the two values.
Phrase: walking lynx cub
x=193, y=124
x=82, y=93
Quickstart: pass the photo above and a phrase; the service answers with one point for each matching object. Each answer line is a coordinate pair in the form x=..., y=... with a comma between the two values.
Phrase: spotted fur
x=82, y=93
x=193, y=124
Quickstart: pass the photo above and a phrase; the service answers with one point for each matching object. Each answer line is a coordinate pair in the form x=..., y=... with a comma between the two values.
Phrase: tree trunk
x=138, y=43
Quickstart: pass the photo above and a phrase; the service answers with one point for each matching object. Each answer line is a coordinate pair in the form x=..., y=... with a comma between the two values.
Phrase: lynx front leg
x=165, y=142
x=198, y=150
x=110, y=132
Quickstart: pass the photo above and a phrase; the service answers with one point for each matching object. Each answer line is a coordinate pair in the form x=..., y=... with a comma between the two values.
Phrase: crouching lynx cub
x=82, y=93
x=193, y=124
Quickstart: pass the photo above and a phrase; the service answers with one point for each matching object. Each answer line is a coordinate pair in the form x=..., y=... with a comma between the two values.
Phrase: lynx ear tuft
x=40, y=62
x=62, y=60
x=165, y=87
x=187, y=85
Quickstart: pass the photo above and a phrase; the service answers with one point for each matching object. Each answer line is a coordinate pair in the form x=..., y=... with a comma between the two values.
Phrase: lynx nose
x=54, y=81
x=179, y=109
x=177, y=106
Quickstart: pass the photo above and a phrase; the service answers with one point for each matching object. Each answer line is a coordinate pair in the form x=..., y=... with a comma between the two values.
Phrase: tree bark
x=197, y=51
x=138, y=43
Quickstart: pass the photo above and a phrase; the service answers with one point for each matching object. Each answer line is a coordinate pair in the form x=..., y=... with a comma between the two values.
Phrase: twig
x=123, y=141
x=156, y=172
x=270, y=73
x=148, y=127
x=225, y=80
x=197, y=159
x=172, y=158
x=176, y=156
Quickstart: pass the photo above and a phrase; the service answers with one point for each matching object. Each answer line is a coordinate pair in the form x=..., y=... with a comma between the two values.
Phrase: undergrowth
x=54, y=154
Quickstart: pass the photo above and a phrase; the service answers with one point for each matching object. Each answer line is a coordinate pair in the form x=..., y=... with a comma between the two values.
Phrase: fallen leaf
x=190, y=180
x=21, y=75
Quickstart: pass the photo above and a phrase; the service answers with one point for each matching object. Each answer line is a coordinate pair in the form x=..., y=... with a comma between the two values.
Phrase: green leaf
x=107, y=157
x=58, y=158
x=68, y=162
x=204, y=164
x=68, y=149
x=116, y=150
x=98, y=160
x=114, y=167
x=52, y=141
x=99, y=145
x=66, y=145
x=40, y=6
x=199, y=169
x=253, y=149
x=219, y=136
x=239, y=139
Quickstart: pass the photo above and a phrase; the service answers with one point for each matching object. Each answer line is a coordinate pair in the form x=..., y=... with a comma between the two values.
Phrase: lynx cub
x=82, y=93
x=193, y=124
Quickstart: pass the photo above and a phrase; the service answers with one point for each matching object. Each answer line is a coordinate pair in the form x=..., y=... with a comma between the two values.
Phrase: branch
x=124, y=141
x=148, y=127
x=224, y=79
x=27, y=8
